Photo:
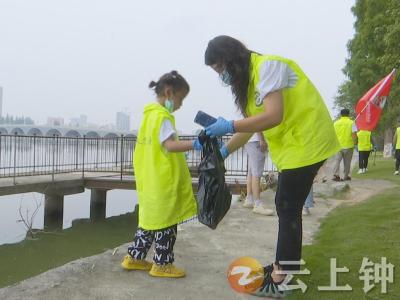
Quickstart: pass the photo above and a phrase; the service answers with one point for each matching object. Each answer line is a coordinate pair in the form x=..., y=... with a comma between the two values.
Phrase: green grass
x=31, y=257
x=383, y=169
x=370, y=229
x=341, y=195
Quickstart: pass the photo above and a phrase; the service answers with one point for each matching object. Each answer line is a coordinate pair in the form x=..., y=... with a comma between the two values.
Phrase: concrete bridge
x=55, y=188
x=61, y=131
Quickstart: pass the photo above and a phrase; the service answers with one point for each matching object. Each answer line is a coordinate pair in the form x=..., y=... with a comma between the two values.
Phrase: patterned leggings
x=164, y=244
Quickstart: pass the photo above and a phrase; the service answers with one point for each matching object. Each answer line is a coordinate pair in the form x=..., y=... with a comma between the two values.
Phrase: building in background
x=123, y=121
x=55, y=121
x=109, y=126
x=1, y=101
x=79, y=122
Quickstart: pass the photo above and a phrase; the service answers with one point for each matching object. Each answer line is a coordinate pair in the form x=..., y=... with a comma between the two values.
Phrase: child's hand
x=197, y=145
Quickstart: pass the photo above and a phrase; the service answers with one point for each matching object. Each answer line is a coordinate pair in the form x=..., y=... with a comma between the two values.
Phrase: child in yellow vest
x=163, y=182
x=364, y=149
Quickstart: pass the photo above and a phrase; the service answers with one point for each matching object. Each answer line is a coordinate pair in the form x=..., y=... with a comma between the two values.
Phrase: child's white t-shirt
x=166, y=131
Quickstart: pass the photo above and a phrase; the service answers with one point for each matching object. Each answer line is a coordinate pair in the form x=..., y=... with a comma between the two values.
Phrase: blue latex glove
x=196, y=145
x=220, y=127
x=224, y=151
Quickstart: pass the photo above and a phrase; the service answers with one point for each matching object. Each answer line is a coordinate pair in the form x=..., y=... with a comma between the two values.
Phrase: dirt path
x=204, y=253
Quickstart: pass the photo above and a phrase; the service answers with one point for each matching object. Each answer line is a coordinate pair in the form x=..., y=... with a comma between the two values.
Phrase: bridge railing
x=43, y=155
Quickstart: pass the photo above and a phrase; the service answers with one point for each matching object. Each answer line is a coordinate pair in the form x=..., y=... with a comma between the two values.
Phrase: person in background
x=256, y=149
x=322, y=173
x=364, y=149
x=396, y=143
x=346, y=131
x=309, y=202
x=163, y=182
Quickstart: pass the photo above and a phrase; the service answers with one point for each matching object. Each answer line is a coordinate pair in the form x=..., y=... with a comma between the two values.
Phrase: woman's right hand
x=224, y=151
x=220, y=127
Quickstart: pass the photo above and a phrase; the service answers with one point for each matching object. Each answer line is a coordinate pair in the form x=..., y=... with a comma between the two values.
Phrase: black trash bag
x=213, y=195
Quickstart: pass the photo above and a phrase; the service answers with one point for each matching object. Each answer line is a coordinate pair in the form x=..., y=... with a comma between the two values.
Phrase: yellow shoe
x=129, y=263
x=168, y=270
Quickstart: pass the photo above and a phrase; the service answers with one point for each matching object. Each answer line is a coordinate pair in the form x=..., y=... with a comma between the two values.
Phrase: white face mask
x=169, y=105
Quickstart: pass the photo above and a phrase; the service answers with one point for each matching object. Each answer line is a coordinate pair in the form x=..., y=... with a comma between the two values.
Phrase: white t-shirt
x=254, y=138
x=275, y=75
x=166, y=131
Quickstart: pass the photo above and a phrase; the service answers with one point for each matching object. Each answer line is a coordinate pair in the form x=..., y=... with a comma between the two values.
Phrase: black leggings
x=164, y=244
x=363, y=159
x=293, y=188
x=397, y=156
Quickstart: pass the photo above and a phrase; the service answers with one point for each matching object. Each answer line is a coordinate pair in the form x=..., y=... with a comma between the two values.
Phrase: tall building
x=82, y=121
x=79, y=122
x=123, y=121
x=1, y=101
x=51, y=121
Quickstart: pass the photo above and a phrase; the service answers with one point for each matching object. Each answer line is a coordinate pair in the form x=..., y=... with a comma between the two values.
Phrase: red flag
x=369, y=107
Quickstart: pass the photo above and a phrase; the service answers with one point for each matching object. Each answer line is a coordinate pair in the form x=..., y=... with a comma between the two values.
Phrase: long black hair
x=234, y=57
x=173, y=79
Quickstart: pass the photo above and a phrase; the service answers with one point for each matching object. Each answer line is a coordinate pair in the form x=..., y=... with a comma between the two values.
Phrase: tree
x=16, y=121
x=373, y=52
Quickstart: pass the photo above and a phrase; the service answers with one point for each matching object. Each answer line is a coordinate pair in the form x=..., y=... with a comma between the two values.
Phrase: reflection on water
x=48, y=250
x=75, y=207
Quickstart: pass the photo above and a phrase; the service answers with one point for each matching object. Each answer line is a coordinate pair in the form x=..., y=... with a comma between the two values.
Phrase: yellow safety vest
x=306, y=135
x=343, y=128
x=163, y=181
x=398, y=138
x=364, y=140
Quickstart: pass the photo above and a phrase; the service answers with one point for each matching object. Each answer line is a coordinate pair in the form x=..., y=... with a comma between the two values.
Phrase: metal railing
x=43, y=155
x=235, y=164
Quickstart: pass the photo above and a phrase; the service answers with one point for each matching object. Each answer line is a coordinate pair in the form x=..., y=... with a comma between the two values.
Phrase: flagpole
x=377, y=92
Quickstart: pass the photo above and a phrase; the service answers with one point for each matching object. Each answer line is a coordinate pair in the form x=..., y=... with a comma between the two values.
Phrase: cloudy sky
x=96, y=57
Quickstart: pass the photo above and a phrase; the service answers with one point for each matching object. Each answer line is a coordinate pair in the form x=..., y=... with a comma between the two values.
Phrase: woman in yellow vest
x=364, y=149
x=163, y=182
x=280, y=101
x=396, y=142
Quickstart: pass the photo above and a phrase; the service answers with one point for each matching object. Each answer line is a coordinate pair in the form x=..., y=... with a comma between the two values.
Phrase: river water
x=75, y=207
x=21, y=155
x=35, y=155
